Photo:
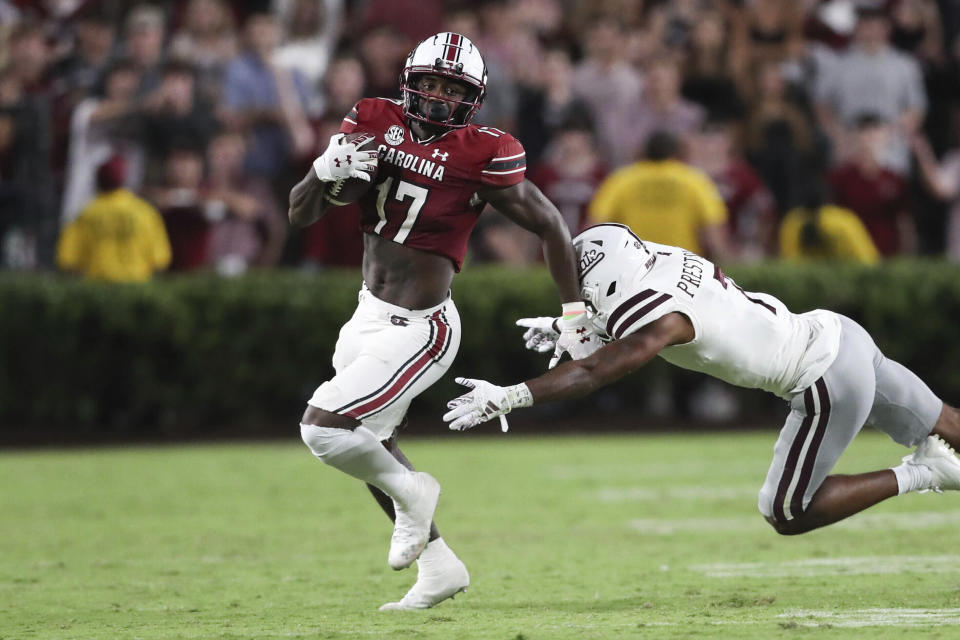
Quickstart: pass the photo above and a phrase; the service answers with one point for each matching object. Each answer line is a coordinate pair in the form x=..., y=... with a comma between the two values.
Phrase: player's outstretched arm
x=572, y=379
x=617, y=359
x=526, y=205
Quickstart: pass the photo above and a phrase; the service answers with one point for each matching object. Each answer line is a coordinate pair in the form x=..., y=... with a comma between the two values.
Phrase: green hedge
x=202, y=353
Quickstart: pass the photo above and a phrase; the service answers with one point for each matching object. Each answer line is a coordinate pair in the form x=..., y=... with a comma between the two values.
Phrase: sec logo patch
x=394, y=135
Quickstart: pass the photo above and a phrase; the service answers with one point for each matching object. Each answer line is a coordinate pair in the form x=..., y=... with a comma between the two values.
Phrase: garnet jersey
x=425, y=194
x=747, y=339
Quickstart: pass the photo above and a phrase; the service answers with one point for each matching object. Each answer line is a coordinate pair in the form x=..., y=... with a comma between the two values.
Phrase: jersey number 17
x=394, y=206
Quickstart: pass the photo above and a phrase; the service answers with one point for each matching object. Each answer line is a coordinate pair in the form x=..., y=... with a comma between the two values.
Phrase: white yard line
x=841, y=566
x=875, y=617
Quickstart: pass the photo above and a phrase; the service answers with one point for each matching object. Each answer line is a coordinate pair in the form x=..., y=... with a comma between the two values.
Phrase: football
x=349, y=190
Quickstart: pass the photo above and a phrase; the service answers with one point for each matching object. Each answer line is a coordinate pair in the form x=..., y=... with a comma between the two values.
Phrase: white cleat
x=411, y=530
x=442, y=575
x=940, y=458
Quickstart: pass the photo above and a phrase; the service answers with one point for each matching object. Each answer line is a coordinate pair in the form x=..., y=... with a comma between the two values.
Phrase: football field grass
x=634, y=536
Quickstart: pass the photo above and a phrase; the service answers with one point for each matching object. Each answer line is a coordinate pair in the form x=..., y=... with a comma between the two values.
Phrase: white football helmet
x=611, y=259
x=451, y=55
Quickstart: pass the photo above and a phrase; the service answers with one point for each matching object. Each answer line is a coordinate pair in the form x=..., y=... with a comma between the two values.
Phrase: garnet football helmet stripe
x=451, y=51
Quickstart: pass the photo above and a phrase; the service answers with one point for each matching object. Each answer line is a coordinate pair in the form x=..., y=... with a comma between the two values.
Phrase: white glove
x=344, y=159
x=578, y=337
x=483, y=402
x=541, y=334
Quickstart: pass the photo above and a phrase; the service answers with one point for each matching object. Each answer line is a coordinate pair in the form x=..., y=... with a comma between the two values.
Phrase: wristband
x=572, y=310
x=519, y=395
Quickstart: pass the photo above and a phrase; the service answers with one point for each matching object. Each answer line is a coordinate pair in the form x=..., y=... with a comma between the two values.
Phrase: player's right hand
x=344, y=159
x=483, y=402
x=541, y=334
x=578, y=335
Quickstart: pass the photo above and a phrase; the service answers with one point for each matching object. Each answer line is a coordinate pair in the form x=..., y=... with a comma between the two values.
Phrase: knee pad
x=357, y=453
x=329, y=444
x=320, y=440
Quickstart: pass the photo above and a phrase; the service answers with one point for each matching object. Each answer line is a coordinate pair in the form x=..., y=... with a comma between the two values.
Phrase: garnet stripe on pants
x=810, y=459
x=413, y=368
x=415, y=356
x=790, y=465
x=437, y=358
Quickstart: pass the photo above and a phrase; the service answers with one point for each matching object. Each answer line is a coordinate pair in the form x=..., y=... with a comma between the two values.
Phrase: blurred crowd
x=743, y=129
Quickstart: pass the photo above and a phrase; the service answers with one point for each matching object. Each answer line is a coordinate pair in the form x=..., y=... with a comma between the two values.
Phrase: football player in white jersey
x=655, y=299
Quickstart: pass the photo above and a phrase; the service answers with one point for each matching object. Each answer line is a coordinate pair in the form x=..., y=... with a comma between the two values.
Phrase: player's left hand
x=578, y=336
x=344, y=159
x=541, y=334
x=483, y=402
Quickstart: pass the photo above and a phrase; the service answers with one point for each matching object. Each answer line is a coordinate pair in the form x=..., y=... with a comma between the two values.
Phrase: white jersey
x=747, y=339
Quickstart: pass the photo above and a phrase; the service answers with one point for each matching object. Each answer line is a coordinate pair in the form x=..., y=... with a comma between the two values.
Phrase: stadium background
x=177, y=102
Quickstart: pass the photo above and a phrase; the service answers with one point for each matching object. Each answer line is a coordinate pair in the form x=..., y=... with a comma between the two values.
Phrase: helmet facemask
x=440, y=111
x=597, y=317
x=447, y=55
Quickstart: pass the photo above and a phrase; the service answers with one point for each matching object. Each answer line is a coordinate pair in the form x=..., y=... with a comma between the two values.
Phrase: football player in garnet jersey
x=434, y=174
x=653, y=299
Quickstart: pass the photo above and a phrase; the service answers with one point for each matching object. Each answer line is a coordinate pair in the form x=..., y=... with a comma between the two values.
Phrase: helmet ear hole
x=612, y=288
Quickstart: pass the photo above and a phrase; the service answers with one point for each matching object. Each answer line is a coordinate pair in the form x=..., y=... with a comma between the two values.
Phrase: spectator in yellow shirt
x=823, y=231
x=665, y=200
x=117, y=237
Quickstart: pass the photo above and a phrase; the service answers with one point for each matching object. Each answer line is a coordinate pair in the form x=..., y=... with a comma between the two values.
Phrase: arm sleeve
x=71, y=248
x=349, y=123
x=508, y=164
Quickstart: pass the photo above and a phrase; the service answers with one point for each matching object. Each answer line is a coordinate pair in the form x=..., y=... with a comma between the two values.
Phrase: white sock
x=358, y=453
x=912, y=477
x=434, y=550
